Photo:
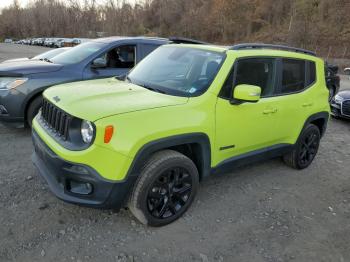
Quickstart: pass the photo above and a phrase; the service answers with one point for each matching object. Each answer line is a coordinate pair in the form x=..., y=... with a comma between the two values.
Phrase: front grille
x=56, y=119
x=345, y=108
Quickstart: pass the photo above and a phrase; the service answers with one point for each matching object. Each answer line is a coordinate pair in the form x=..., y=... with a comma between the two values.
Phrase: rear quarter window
x=311, y=74
x=297, y=75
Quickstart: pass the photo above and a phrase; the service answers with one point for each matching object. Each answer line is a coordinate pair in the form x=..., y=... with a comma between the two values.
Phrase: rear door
x=295, y=98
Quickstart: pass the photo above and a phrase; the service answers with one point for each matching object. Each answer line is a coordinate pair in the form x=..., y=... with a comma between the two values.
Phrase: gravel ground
x=264, y=212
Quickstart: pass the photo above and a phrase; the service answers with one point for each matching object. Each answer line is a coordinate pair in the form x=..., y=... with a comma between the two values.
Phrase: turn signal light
x=108, y=134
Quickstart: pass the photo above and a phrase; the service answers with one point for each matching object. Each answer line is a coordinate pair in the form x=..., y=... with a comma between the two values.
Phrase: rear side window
x=293, y=75
x=311, y=74
x=297, y=75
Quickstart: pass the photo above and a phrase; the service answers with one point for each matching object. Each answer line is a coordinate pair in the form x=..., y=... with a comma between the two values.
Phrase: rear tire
x=165, y=188
x=33, y=109
x=305, y=149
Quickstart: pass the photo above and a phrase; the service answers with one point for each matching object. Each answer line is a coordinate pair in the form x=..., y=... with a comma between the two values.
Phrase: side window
x=121, y=57
x=148, y=48
x=293, y=76
x=259, y=72
x=311, y=73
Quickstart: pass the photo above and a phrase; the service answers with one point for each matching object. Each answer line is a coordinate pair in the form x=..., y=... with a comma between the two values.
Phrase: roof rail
x=183, y=40
x=269, y=46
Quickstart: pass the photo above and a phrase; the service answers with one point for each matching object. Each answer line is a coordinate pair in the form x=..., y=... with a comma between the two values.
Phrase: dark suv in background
x=22, y=83
x=332, y=80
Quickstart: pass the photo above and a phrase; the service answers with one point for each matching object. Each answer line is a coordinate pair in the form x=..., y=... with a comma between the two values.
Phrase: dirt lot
x=264, y=212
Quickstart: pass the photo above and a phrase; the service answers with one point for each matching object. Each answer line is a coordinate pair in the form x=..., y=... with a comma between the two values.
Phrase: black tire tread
x=33, y=106
x=146, y=174
x=290, y=159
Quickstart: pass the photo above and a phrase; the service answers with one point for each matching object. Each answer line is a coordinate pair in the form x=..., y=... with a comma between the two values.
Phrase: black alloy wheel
x=309, y=147
x=169, y=193
x=305, y=150
x=165, y=188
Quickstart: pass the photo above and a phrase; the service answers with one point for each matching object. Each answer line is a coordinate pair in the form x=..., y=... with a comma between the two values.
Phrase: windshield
x=177, y=70
x=78, y=53
x=50, y=54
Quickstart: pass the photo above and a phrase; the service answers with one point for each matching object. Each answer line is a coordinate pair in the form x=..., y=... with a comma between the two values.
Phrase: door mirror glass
x=247, y=93
x=99, y=63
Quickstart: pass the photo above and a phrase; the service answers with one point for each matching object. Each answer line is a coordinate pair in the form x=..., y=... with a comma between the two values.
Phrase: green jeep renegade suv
x=186, y=111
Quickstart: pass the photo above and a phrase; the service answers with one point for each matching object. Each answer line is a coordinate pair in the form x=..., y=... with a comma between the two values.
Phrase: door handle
x=270, y=111
x=307, y=104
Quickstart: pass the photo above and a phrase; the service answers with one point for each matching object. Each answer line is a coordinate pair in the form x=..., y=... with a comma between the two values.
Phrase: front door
x=246, y=127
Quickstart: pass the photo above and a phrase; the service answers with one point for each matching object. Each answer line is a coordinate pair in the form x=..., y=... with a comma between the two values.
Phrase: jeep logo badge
x=57, y=99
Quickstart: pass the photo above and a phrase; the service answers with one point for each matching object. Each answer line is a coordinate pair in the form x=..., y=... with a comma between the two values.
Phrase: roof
x=112, y=39
x=272, y=47
x=214, y=48
x=261, y=49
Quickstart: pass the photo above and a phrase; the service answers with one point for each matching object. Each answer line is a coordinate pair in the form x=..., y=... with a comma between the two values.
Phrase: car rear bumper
x=77, y=183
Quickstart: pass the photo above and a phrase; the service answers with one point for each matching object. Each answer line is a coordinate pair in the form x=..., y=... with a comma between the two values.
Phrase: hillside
x=319, y=25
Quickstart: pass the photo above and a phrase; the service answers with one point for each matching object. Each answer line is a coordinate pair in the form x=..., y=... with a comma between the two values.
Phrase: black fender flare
x=324, y=116
x=199, y=140
x=203, y=154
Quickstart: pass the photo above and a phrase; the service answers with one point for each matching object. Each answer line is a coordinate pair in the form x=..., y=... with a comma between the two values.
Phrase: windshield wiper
x=46, y=60
x=128, y=78
x=152, y=89
x=146, y=86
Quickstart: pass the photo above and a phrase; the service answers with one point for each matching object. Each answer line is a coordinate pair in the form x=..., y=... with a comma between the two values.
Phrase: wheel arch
x=30, y=99
x=196, y=146
x=320, y=120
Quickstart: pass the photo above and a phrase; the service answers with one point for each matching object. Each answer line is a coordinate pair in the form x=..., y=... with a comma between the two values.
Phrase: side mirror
x=99, y=63
x=246, y=93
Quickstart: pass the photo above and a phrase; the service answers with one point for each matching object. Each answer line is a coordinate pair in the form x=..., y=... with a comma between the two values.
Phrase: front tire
x=305, y=149
x=165, y=188
x=33, y=109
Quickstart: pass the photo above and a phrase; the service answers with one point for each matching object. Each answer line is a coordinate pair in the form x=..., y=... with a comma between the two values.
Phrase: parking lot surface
x=262, y=212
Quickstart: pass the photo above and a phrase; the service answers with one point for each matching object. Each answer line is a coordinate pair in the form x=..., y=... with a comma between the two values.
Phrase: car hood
x=15, y=60
x=345, y=94
x=28, y=67
x=96, y=99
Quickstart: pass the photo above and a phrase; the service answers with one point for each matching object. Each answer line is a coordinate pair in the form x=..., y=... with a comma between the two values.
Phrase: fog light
x=3, y=110
x=80, y=188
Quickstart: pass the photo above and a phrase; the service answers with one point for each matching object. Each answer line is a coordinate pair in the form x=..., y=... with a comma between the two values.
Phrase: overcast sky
x=23, y=3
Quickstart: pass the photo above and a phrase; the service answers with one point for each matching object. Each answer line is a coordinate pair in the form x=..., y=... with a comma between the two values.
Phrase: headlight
x=87, y=131
x=338, y=99
x=7, y=83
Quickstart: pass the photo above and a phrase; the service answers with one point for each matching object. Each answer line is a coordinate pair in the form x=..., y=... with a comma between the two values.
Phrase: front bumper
x=71, y=182
x=10, y=108
x=336, y=110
